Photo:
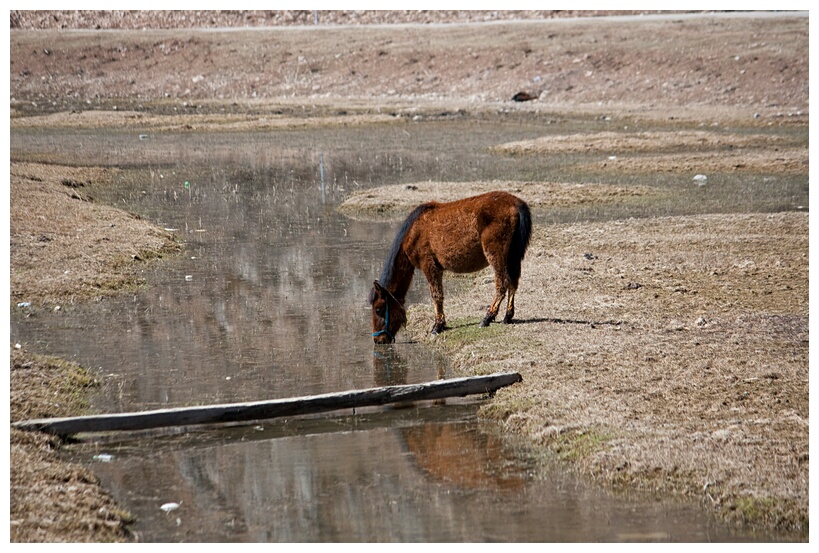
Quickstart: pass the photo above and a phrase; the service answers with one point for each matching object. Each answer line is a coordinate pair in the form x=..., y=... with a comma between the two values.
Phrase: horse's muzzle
x=383, y=338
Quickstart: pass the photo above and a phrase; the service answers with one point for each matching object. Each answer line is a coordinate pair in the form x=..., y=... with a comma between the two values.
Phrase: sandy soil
x=685, y=373
x=683, y=67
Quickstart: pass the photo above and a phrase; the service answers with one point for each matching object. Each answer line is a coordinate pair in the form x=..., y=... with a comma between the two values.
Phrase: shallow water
x=268, y=300
x=426, y=474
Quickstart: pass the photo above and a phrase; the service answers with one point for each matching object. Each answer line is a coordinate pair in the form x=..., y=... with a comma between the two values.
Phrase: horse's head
x=389, y=314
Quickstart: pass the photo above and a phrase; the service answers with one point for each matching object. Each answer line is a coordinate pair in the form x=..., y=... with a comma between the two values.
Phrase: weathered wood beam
x=259, y=410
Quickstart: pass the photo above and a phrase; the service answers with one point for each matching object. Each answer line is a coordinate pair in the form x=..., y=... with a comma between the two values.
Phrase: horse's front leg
x=435, y=276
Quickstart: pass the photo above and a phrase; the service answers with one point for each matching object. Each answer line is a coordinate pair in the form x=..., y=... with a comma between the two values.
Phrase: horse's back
x=458, y=234
x=483, y=209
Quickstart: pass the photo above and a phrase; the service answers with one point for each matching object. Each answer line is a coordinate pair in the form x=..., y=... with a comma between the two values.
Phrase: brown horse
x=463, y=236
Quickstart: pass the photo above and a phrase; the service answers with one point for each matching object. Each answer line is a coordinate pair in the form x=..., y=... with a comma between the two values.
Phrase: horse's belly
x=468, y=265
x=463, y=259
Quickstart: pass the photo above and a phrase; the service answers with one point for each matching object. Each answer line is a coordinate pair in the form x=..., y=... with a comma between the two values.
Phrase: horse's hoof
x=437, y=329
x=485, y=323
x=507, y=320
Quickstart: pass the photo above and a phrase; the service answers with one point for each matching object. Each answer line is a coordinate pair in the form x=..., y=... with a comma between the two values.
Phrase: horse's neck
x=401, y=277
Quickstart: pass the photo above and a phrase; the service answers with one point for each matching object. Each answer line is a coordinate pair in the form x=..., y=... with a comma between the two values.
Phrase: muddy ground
x=672, y=359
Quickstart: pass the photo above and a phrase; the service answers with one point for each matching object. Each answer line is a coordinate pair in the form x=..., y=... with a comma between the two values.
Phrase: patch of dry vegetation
x=635, y=142
x=672, y=151
x=64, y=247
x=201, y=122
x=694, y=68
x=668, y=354
x=394, y=202
x=789, y=161
x=51, y=500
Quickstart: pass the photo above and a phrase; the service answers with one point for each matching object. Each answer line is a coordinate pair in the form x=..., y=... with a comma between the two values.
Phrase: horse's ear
x=376, y=293
x=381, y=292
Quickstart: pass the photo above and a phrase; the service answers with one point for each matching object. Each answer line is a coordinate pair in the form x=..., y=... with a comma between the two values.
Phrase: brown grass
x=65, y=247
x=51, y=500
x=672, y=358
x=777, y=161
x=635, y=142
x=393, y=202
x=198, y=121
x=677, y=151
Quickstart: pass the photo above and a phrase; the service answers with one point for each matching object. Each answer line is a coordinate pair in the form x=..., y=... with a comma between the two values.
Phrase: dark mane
x=387, y=274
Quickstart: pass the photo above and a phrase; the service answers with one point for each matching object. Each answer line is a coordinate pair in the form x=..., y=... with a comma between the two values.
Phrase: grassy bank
x=65, y=248
x=52, y=500
x=667, y=355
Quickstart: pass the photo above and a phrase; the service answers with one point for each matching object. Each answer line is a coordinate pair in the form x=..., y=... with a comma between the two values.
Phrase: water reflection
x=268, y=299
x=417, y=474
x=391, y=369
x=454, y=455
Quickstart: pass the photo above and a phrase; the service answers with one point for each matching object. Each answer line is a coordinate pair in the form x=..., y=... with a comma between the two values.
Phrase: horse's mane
x=387, y=274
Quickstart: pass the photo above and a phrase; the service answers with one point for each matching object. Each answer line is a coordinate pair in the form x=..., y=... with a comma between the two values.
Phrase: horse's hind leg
x=512, y=272
x=501, y=285
x=510, y=306
x=504, y=283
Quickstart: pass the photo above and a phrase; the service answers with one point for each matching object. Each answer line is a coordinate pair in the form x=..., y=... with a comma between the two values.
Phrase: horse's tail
x=520, y=241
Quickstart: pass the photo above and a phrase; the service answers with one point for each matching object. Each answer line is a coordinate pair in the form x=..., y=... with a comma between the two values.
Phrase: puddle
x=268, y=300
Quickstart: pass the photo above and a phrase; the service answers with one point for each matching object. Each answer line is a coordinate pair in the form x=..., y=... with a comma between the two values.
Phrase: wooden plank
x=259, y=410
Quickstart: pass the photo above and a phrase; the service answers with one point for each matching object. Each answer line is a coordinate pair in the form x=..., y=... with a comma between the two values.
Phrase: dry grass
x=677, y=151
x=393, y=202
x=201, y=122
x=65, y=247
x=777, y=161
x=636, y=142
x=672, y=358
x=51, y=500
x=697, y=68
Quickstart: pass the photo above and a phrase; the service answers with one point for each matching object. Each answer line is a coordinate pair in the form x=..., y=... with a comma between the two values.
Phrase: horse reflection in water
x=389, y=368
x=463, y=236
x=450, y=452
x=454, y=454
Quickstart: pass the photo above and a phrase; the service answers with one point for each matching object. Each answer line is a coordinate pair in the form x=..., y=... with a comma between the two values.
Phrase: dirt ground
x=682, y=373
